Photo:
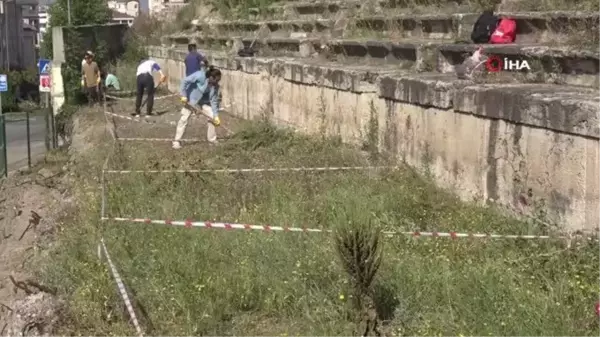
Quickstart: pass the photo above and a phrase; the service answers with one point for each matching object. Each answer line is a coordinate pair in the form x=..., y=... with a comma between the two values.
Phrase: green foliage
x=64, y=123
x=16, y=80
x=358, y=246
x=134, y=50
x=224, y=9
x=292, y=283
x=82, y=13
x=71, y=70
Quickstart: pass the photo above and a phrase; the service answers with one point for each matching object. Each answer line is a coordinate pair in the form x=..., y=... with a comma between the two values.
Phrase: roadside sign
x=44, y=66
x=45, y=83
x=3, y=83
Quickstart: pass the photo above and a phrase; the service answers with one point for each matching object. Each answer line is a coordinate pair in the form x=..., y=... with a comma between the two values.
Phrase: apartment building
x=17, y=36
x=43, y=22
x=118, y=17
x=165, y=7
x=128, y=7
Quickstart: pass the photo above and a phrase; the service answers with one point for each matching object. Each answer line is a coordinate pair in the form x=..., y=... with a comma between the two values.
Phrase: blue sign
x=3, y=83
x=44, y=66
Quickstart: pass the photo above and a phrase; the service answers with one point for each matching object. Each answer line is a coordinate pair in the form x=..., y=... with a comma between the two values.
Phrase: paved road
x=16, y=139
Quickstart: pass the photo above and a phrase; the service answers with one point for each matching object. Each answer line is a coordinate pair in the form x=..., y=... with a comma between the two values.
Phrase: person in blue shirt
x=193, y=61
x=200, y=92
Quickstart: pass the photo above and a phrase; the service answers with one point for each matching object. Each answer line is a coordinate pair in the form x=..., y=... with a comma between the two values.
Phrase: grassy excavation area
x=197, y=281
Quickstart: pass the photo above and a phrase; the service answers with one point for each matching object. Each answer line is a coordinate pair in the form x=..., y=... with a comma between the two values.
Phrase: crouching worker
x=200, y=93
x=112, y=82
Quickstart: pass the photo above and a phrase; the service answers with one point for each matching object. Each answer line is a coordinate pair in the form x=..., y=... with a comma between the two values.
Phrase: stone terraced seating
x=533, y=27
x=546, y=130
x=310, y=10
x=429, y=89
x=418, y=43
x=330, y=8
x=550, y=64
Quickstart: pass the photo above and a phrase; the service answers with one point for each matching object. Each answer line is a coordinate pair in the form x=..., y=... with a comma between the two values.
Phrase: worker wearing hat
x=90, y=77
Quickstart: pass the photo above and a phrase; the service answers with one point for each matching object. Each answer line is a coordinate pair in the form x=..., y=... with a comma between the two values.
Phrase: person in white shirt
x=145, y=82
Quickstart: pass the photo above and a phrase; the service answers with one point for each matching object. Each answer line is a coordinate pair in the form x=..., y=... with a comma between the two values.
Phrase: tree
x=83, y=12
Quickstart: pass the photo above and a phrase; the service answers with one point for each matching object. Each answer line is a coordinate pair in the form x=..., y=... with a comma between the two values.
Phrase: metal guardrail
x=3, y=158
x=50, y=139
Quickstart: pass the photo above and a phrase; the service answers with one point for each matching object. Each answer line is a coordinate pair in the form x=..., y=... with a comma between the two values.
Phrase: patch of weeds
x=200, y=282
x=359, y=249
x=371, y=143
x=322, y=115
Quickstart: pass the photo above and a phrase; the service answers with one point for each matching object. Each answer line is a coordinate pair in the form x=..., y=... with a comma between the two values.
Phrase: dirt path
x=163, y=125
x=30, y=206
x=32, y=203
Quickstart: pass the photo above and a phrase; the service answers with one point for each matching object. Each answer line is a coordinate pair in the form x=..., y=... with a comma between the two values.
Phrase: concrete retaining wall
x=532, y=147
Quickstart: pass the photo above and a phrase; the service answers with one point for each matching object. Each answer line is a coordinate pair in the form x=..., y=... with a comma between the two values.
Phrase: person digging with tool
x=200, y=92
x=145, y=81
x=90, y=78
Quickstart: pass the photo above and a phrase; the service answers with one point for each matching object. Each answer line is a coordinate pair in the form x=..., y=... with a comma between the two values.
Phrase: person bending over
x=145, y=82
x=200, y=91
x=112, y=82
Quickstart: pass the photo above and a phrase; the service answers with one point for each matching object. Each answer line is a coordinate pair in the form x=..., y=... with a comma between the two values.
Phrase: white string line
x=139, y=120
x=162, y=139
x=103, y=188
x=105, y=165
x=256, y=170
x=133, y=98
x=122, y=290
x=127, y=117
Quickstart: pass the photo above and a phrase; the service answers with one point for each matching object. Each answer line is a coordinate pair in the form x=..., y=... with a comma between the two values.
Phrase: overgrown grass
x=125, y=72
x=214, y=282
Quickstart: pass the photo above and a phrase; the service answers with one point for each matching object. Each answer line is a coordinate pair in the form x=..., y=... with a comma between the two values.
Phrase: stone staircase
x=553, y=43
x=534, y=136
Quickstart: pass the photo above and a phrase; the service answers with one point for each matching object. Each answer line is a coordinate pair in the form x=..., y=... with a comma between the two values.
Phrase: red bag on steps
x=506, y=32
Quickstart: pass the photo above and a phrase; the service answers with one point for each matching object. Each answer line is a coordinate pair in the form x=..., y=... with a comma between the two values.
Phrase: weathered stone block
x=565, y=109
x=427, y=90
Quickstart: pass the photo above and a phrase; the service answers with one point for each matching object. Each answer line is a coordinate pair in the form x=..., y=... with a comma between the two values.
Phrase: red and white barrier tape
x=256, y=170
x=268, y=228
x=122, y=290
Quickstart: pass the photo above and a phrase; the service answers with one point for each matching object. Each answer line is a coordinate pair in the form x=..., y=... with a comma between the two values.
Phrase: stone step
x=563, y=108
x=309, y=9
x=319, y=9
x=538, y=27
x=548, y=64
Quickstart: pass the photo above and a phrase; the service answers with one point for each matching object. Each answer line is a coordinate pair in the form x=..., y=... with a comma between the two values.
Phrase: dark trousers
x=92, y=94
x=144, y=82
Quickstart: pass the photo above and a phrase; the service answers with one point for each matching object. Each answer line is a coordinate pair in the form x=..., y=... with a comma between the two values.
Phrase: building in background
x=17, y=36
x=118, y=17
x=165, y=7
x=43, y=21
x=129, y=7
